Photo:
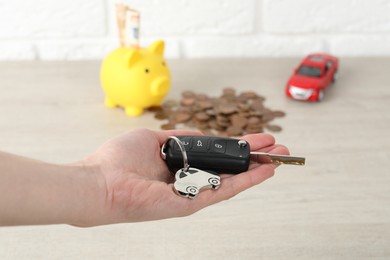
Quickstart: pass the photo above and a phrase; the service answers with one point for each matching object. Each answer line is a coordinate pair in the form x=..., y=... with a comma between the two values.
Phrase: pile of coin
x=231, y=114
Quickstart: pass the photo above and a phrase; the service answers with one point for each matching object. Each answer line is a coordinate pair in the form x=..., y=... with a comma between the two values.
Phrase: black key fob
x=209, y=153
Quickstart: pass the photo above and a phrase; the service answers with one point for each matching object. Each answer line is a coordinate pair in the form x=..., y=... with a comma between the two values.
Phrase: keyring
x=186, y=165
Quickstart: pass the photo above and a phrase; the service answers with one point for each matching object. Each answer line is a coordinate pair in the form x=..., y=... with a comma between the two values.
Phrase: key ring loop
x=186, y=166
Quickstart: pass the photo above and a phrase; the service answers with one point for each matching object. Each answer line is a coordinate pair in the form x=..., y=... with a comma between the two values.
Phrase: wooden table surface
x=335, y=207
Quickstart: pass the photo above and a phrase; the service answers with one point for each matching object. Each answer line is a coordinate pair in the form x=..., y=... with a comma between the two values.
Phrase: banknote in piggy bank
x=135, y=78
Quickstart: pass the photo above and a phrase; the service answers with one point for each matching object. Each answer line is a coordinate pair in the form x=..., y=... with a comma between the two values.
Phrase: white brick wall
x=72, y=29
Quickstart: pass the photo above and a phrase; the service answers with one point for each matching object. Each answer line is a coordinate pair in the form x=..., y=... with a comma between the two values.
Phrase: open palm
x=137, y=186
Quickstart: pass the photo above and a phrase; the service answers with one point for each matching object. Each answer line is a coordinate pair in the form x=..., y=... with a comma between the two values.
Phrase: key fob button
x=199, y=144
x=186, y=141
x=218, y=146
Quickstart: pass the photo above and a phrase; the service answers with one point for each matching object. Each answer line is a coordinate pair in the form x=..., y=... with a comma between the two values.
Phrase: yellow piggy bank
x=135, y=78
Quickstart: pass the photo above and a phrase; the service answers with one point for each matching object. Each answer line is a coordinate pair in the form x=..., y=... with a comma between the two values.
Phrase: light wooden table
x=335, y=207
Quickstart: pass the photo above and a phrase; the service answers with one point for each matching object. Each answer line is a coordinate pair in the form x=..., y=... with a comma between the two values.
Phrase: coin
x=229, y=91
x=188, y=94
x=239, y=121
x=248, y=95
x=201, y=116
x=257, y=104
x=234, y=130
x=243, y=107
x=273, y=128
x=168, y=126
x=188, y=101
x=278, y=113
x=205, y=104
x=253, y=121
x=182, y=117
x=254, y=130
x=155, y=108
x=161, y=115
x=227, y=109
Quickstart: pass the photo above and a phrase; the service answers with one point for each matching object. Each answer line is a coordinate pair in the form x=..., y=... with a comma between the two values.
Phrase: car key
x=218, y=154
x=188, y=180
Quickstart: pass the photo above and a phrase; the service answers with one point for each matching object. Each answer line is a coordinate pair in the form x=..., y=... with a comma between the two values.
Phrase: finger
x=235, y=184
x=259, y=141
x=276, y=149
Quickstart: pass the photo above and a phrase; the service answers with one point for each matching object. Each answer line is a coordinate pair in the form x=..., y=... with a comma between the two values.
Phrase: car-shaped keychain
x=188, y=183
x=312, y=77
x=189, y=180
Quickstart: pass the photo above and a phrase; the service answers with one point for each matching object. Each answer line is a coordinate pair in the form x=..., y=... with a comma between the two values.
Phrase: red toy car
x=312, y=77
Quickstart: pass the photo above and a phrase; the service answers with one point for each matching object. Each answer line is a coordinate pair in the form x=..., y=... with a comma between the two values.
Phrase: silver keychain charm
x=189, y=181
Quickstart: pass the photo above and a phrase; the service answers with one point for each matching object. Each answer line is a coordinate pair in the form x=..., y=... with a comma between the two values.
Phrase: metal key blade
x=276, y=158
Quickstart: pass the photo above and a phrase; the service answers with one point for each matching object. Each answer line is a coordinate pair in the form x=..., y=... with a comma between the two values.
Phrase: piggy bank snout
x=160, y=86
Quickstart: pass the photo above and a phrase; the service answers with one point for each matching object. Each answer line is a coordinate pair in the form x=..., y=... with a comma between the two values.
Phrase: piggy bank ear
x=157, y=48
x=132, y=57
